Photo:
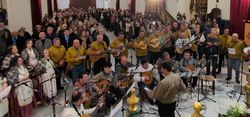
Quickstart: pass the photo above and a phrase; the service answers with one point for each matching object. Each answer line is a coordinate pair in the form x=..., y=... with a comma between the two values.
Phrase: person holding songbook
x=235, y=51
x=75, y=57
x=166, y=91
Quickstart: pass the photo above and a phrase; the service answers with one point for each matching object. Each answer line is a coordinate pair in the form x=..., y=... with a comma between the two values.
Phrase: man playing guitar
x=181, y=44
x=145, y=73
x=118, y=45
x=122, y=70
x=106, y=82
x=97, y=54
x=76, y=109
x=85, y=85
x=154, y=47
x=187, y=69
x=141, y=47
x=198, y=45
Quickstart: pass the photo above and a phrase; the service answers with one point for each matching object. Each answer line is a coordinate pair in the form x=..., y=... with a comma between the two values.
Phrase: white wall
x=19, y=14
x=100, y=3
x=124, y=4
x=112, y=4
x=171, y=7
x=44, y=7
x=63, y=4
x=224, y=5
x=140, y=6
x=183, y=7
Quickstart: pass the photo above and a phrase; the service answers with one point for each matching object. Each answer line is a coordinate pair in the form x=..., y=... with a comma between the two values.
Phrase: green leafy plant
x=236, y=111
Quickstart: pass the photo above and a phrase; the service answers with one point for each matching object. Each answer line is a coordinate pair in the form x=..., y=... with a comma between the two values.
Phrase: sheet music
x=114, y=112
x=189, y=74
x=231, y=50
x=5, y=92
x=246, y=50
x=131, y=69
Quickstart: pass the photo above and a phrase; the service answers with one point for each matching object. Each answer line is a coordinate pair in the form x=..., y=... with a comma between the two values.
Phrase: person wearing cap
x=118, y=44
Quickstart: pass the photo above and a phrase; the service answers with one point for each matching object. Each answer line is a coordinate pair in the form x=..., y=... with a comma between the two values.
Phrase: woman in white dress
x=47, y=81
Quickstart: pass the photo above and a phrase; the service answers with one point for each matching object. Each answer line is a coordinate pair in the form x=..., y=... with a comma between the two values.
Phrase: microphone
x=66, y=81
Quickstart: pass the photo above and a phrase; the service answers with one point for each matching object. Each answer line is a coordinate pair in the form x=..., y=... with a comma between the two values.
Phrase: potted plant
x=235, y=111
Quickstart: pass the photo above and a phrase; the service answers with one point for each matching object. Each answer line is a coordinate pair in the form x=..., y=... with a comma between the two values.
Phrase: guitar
x=181, y=48
x=148, y=75
x=88, y=102
x=117, y=51
x=143, y=45
x=95, y=57
x=190, y=67
x=154, y=43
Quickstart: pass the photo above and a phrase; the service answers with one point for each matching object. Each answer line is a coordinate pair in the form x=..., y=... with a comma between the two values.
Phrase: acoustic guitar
x=148, y=75
x=117, y=51
x=143, y=45
x=154, y=43
x=190, y=67
x=95, y=57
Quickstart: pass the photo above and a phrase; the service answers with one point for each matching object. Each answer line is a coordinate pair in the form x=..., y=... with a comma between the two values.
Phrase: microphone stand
x=241, y=80
x=53, y=97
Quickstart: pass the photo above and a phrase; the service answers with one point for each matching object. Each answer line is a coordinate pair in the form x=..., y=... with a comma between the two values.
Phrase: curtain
x=239, y=11
x=50, y=11
x=117, y=4
x=36, y=12
x=132, y=6
x=55, y=5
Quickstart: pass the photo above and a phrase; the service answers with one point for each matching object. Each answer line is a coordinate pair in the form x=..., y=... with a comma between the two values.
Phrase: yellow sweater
x=95, y=46
x=223, y=41
x=73, y=53
x=57, y=54
x=136, y=46
x=238, y=46
x=116, y=43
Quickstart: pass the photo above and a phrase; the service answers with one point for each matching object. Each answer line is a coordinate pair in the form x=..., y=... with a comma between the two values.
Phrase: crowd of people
x=73, y=42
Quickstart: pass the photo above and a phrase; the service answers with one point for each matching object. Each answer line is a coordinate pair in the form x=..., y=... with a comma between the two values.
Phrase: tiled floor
x=224, y=97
